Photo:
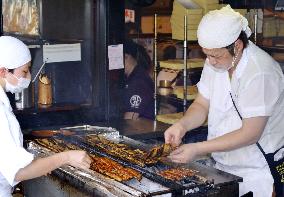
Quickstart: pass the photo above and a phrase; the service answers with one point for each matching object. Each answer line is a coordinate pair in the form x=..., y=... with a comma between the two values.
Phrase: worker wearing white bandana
x=255, y=80
x=16, y=163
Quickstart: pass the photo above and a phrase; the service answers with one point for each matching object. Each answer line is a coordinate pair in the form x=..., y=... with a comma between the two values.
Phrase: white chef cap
x=220, y=28
x=13, y=52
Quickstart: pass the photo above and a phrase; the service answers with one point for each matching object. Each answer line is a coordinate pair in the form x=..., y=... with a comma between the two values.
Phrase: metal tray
x=89, y=181
x=108, y=132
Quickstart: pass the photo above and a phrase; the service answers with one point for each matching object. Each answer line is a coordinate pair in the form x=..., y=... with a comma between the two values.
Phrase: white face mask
x=23, y=83
x=219, y=70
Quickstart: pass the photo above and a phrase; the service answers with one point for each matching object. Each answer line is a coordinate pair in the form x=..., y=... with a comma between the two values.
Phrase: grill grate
x=193, y=184
x=148, y=172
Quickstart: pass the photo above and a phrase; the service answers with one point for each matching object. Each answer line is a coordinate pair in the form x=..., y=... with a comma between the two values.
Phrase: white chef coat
x=13, y=155
x=257, y=89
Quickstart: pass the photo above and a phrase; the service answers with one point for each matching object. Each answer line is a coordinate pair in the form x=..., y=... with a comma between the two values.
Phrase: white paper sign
x=61, y=52
x=115, y=57
x=129, y=16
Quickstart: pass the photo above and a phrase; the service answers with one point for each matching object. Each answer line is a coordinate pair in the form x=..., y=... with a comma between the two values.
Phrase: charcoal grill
x=95, y=184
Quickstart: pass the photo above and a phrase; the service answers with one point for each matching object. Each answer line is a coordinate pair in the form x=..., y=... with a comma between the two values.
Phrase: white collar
x=4, y=99
x=242, y=63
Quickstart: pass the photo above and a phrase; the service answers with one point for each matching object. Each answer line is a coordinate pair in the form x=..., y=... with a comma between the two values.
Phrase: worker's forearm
x=131, y=115
x=227, y=142
x=41, y=166
x=248, y=134
x=194, y=117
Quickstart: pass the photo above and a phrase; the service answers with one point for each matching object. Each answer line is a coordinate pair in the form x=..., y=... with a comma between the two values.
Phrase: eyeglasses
x=216, y=56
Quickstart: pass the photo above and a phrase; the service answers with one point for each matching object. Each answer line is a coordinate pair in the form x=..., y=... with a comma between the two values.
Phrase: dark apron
x=276, y=169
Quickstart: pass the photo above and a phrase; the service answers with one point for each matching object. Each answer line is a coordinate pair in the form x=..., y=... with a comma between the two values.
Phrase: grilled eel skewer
x=119, y=150
x=177, y=174
x=161, y=151
x=102, y=165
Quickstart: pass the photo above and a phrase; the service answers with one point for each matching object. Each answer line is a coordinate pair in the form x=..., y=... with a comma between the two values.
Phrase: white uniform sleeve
x=13, y=157
x=259, y=96
x=205, y=81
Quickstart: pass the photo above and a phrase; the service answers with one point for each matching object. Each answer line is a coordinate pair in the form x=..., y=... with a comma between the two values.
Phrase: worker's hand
x=184, y=154
x=174, y=134
x=79, y=159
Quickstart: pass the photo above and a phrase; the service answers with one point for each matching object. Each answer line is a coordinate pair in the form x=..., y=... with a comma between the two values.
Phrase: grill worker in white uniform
x=16, y=163
x=237, y=66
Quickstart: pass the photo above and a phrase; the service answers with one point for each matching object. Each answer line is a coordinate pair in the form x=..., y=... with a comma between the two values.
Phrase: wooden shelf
x=52, y=108
x=151, y=35
x=151, y=12
x=172, y=99
x=161, y=7
x=36, y=40
x=273, y=49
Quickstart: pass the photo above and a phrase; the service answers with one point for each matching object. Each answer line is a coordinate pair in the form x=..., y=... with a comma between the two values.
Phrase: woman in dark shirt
x=138, y=95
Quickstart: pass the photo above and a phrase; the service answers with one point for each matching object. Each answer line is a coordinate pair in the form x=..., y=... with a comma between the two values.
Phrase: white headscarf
x=220, y=28
x=13, y=52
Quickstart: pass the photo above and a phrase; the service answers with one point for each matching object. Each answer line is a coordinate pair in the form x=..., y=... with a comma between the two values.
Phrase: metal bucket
x=25, y=99
x=165, y=84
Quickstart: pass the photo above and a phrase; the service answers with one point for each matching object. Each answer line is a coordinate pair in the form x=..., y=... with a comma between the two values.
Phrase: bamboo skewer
x=155, y=66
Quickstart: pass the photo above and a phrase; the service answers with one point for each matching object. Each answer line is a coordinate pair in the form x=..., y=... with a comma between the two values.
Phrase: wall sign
x=129, y=16
x=61, y=52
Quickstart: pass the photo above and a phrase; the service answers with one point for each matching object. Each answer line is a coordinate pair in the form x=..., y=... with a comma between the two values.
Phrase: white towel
x=220, y=28
x=13, y=52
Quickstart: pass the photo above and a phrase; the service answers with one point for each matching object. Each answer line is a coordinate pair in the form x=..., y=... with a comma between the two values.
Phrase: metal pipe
x=255, y=25
x=155, y=66
x=39, y=71
x=185, y=65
